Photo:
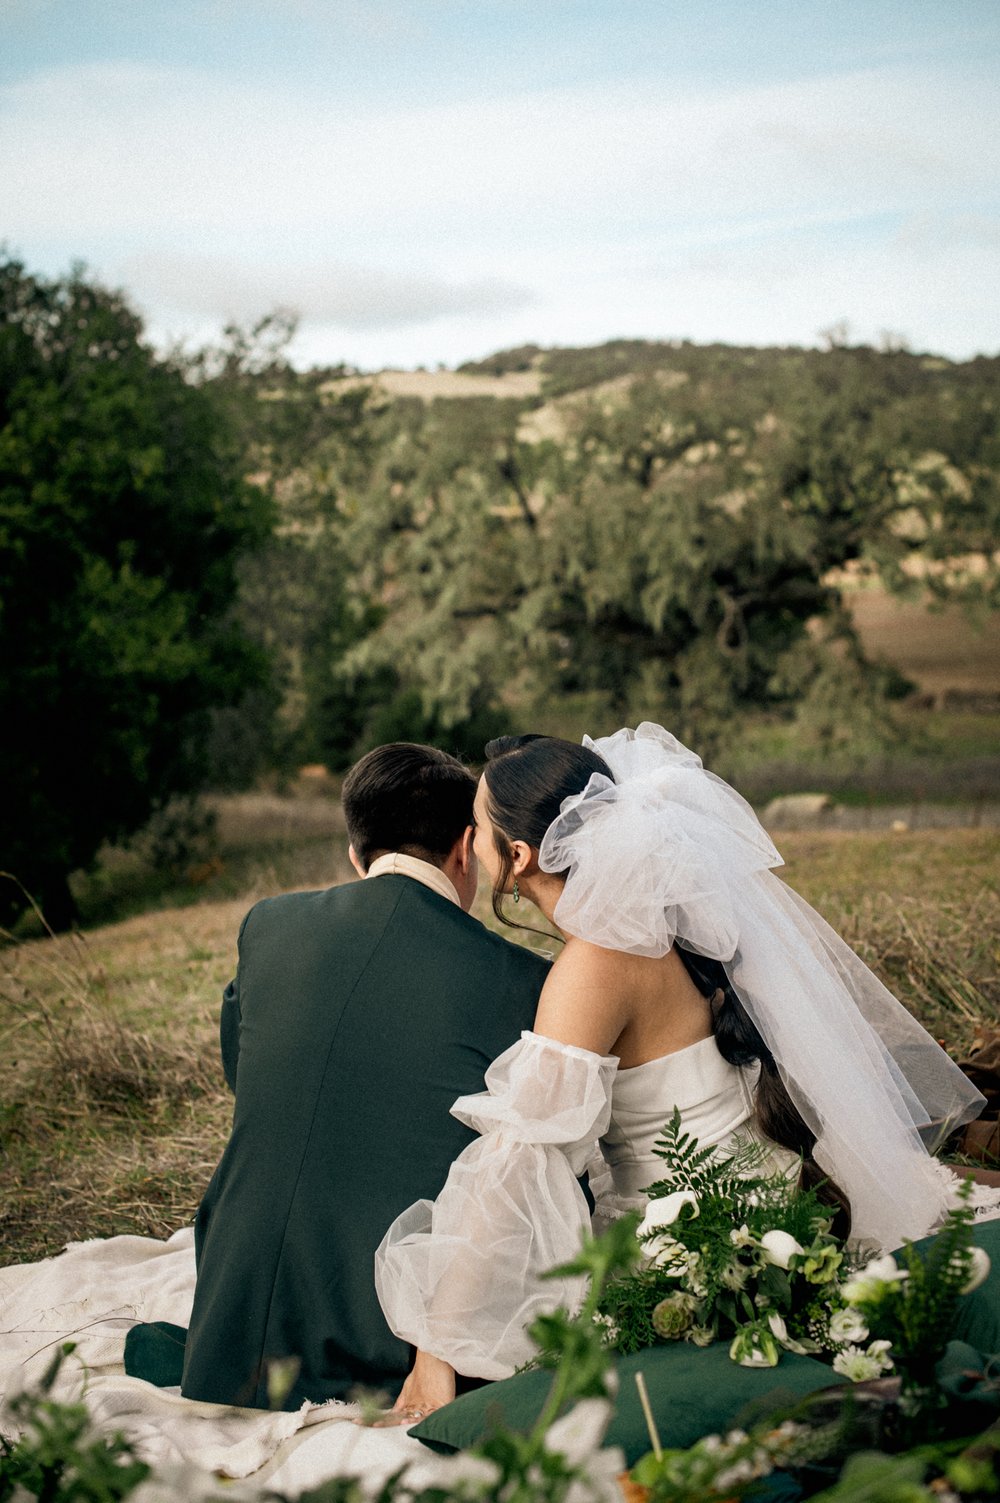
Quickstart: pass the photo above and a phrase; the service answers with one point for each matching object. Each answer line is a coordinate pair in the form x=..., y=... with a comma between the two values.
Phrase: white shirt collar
x=397, y=863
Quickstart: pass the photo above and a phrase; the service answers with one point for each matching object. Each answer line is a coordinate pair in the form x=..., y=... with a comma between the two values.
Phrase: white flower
x=734, y=1276
x=886, y=1269
x=610, y=1331
x=666, y=1210
x=779, y=1248
x=695, y=1275
x=852, y=1363
x=874, y=1281
x=579, y=1433
x=861, y=1366
x=732, y=1476
x=978, y=1271
x=663, y=1250
x=741, y=1236
x=780, y=1332
x=847, y=1325
x=751, y=1347
x=754, y=1356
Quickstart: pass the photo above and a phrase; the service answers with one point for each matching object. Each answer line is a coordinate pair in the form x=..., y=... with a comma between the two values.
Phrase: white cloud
x=120, y=145
x=744, y=212
x=351, y=297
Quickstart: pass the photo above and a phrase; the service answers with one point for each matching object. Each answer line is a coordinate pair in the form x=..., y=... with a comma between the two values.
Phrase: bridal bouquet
x=732, y=1252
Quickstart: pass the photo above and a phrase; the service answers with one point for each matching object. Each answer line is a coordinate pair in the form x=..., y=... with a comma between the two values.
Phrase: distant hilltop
x=529, y=372
x=551, y=384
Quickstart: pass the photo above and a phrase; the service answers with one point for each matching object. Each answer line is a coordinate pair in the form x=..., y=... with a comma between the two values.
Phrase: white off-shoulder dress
x=461, y=1276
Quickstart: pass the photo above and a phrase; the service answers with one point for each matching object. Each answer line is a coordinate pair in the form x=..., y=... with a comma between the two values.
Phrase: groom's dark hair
x=409, y=798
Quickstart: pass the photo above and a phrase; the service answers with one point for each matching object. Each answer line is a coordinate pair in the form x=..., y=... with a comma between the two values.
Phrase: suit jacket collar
x=398, y=864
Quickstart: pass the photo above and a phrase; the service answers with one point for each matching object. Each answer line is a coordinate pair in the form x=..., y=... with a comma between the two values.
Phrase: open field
x=114, y=1110
x=429, y=386
x=942, y=650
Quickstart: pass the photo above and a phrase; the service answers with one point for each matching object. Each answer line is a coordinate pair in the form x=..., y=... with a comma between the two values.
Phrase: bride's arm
x=462, y=1277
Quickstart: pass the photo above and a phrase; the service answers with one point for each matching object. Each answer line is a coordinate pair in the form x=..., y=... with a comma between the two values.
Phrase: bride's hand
x=429, y=1386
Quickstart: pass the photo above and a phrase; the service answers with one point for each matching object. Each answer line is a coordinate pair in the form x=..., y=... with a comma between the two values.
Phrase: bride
x=691, y=976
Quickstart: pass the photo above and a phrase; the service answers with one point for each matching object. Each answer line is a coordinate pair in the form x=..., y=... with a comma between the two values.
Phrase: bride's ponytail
x=739, y=1041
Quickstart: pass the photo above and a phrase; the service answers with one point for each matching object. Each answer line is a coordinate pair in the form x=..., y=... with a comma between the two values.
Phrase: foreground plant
x=728, y=1465
x=59, y=1458
x=909, y=1305
x=733, y=1466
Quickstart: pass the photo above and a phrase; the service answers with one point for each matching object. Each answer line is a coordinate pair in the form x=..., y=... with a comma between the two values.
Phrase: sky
x=429, y=181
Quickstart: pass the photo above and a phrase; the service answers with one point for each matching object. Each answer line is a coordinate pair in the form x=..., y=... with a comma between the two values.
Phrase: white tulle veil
x=668, y=851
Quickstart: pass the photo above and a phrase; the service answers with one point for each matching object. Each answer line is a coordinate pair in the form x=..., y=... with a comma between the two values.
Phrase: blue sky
x=430, y=180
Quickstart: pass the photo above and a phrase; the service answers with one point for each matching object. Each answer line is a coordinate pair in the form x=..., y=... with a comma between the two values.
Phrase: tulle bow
x=657, y=855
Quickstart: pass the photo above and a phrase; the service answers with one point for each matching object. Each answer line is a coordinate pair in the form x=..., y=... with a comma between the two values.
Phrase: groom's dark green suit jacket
x=356, y=1018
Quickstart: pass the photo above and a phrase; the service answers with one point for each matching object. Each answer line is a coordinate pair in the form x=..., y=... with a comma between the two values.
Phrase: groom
x=357, y=1016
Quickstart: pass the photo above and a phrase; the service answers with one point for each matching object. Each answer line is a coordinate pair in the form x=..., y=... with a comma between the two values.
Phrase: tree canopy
x=657, y=531
x=669, y=539
x=122, y=514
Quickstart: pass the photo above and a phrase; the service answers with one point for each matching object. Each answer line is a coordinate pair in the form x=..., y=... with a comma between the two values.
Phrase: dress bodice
x=715, y=1099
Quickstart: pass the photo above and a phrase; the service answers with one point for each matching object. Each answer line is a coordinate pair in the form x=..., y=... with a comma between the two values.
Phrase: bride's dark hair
x=739, y=1041
x=527, y=779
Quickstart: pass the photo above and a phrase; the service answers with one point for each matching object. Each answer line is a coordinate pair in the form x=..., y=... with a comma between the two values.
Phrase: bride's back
x=635, y=1007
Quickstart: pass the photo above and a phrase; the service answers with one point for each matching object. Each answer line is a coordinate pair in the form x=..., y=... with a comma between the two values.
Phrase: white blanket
x=93, y=1292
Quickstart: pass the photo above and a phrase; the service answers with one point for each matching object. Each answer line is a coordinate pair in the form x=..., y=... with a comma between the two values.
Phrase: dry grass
x=114, y=1111
x=922, y=909
x=941, y=650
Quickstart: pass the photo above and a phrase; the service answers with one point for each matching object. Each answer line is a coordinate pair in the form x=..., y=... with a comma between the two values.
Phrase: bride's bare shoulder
x=582, y=953
x=585, y=999
x=579, y=958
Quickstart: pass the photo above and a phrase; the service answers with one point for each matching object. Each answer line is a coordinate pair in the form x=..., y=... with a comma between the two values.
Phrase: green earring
x=517, y=895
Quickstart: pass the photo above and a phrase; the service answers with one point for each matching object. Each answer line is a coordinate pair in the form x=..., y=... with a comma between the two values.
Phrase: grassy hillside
x=114, y=1110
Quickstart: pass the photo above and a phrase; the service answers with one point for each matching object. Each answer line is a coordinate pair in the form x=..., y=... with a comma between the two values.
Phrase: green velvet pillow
x=694, y=1391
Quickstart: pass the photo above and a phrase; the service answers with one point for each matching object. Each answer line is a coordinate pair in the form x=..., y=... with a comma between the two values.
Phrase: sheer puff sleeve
x=460, y=1277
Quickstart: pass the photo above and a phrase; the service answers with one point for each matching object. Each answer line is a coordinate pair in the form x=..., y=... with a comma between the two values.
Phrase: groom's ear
x=356, y=861
x=466, y=855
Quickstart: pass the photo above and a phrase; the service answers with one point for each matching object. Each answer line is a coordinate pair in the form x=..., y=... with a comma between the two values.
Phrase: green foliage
x=913, y=1308
x=122, y=514
x=307, y=448
x=733, y=1465
x=659, y=537
x=58, y=1458
x=668, y=542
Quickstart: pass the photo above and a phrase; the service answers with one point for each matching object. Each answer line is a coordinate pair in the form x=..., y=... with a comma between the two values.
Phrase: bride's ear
x=524, y=859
